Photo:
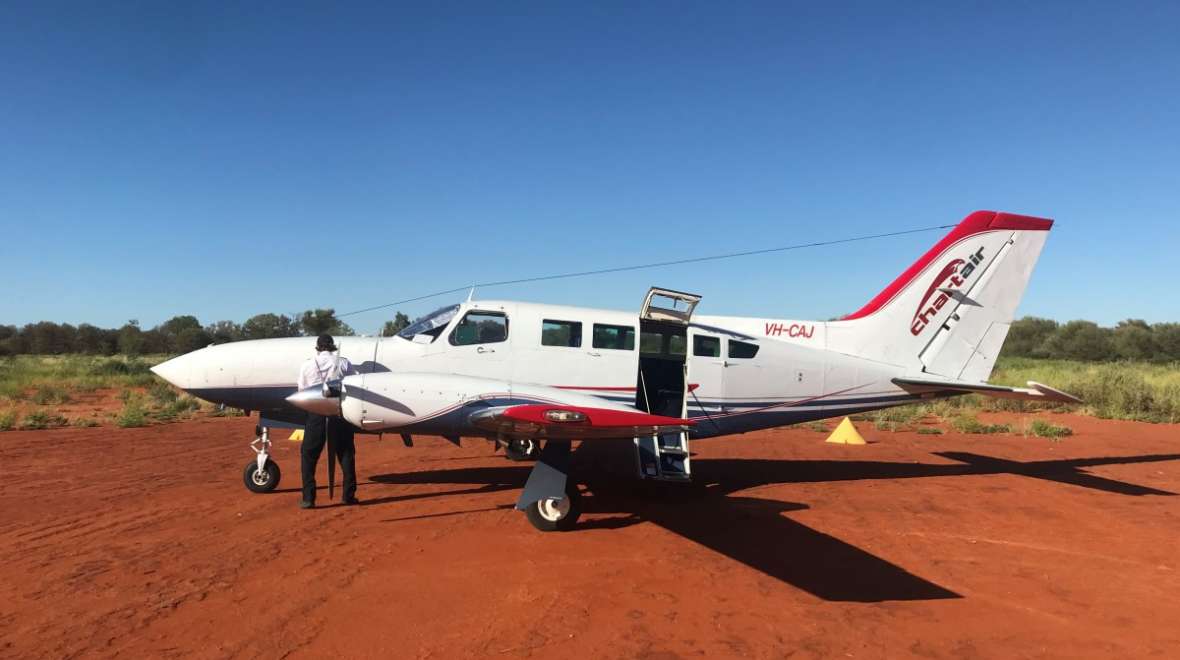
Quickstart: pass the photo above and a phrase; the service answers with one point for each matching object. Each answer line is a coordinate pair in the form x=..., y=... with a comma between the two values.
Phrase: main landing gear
x=550, y=501
x=556, y=514
x=261, y=474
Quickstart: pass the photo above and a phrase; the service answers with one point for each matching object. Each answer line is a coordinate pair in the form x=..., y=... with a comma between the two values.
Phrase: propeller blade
x=331, y=466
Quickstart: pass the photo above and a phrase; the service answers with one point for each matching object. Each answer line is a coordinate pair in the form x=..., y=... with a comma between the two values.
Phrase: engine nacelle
x=390, y=400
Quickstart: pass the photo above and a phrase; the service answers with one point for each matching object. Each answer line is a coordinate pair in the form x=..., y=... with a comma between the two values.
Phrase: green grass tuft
x=971, y=424
x=42, y=419
x=929, y=430
x=131, y=417
x=1043, y=429
x=8, y=420
x=51, y=395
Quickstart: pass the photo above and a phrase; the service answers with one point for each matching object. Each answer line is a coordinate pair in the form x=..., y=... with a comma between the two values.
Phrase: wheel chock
x=296, y=435
x=846, y=434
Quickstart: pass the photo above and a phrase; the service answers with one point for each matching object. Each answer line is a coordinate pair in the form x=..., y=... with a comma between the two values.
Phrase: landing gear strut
x=550, y=501
x=261, y=474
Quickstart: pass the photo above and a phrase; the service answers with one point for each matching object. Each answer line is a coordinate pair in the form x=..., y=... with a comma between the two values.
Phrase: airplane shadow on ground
x=755, y=531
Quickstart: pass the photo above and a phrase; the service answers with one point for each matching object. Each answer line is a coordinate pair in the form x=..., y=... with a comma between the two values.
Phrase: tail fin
x=949, y=312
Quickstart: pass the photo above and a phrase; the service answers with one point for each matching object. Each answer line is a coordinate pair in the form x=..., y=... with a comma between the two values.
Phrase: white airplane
x=520, y=373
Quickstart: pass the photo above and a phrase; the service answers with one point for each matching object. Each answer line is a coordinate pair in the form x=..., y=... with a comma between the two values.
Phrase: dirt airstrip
x=144, y=543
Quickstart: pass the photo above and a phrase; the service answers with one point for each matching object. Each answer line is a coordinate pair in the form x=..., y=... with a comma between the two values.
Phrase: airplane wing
x=1034, y=392
x=572, y=422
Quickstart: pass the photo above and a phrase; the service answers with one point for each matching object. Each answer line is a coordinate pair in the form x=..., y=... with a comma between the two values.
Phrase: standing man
x=328, y=367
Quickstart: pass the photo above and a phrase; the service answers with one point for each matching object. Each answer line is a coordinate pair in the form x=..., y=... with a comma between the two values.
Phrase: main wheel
x=556, y=514
x=522, y=450
x=262, y=481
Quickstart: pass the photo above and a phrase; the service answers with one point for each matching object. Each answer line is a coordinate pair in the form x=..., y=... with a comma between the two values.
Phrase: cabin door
x=662, y=381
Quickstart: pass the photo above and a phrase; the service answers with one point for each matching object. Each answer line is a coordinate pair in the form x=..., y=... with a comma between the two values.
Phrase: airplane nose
x=177, y=371
x=312, y=400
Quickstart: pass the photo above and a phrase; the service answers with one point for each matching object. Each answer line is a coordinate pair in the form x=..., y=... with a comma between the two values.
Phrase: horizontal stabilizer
x=1034, y=392
x=573, y=422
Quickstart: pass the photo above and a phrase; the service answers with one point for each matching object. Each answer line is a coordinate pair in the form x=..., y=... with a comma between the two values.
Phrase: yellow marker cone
x=845, y=434
x=296, y=435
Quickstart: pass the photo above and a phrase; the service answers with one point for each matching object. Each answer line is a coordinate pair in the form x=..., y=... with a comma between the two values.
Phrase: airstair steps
x=663, y=457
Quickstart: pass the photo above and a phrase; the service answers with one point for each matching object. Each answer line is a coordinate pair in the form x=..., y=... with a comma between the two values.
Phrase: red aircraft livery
x=954, y=279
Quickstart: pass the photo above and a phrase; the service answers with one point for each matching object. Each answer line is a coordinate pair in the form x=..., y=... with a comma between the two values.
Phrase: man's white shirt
x=325, y=366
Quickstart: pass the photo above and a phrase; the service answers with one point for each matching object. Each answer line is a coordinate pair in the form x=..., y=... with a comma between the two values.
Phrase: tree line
x=179, y=334
x=1133, y=339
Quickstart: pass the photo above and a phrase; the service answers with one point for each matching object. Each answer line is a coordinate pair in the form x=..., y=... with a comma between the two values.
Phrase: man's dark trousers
x=341, y=433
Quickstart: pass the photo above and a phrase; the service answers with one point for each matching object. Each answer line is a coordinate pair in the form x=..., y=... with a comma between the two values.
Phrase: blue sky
x=225, y=161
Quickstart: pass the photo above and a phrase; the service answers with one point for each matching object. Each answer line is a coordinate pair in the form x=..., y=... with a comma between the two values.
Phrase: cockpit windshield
x=432, y=324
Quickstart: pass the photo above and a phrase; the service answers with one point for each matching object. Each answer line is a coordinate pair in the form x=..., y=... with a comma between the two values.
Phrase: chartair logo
x=952, y=276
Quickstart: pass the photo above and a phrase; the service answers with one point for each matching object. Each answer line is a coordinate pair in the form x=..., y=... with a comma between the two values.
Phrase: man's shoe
x=350, y=501
x=306, y=505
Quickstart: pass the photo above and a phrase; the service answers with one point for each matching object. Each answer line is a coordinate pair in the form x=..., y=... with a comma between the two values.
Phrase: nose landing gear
x=261, y=474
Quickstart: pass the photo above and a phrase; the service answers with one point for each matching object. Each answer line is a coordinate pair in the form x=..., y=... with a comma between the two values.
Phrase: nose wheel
x=264, y=480
x=261, y=474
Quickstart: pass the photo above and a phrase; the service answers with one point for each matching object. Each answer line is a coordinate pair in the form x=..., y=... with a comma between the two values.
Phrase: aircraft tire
x=265, y=482
x=560, y=516
x=522, y=450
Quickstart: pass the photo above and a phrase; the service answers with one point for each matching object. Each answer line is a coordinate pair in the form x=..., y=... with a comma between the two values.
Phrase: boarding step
x=663, y=456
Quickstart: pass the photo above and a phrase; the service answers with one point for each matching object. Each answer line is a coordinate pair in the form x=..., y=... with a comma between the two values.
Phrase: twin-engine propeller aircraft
x=522, y=374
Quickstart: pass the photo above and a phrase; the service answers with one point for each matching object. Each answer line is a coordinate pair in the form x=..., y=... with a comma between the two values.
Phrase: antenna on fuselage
x=471, y=293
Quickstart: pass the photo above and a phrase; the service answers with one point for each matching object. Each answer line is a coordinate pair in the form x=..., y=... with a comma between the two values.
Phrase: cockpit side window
x=432, y=324
x=480, y=327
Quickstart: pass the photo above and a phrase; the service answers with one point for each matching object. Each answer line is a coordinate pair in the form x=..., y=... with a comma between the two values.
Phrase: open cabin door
x=662, y=381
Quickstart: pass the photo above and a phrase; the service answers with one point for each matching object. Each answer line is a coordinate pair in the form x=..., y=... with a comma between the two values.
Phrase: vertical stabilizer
x=949, y=312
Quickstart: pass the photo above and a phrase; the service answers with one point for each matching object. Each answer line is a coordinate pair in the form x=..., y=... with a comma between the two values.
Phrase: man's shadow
x=755, y=531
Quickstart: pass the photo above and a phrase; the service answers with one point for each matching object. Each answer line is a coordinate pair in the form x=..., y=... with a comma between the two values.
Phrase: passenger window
x=480, y=328
x=676, y=344
x=703, y=346
x=651, y=343
x=561, y=333
x=617, y=337
x=741, y=349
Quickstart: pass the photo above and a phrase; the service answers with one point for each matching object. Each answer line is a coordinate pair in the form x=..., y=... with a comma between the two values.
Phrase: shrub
x=1043, y=429
x=969, y=424
x=181, y=408
x=85, y=422
x=51, y=394
x=929, y=430
x=900, y=414
x=132, y=415
x=162, y=392
x=41, y=419
x=8, y=420
x=120, y=367
x=225, y=411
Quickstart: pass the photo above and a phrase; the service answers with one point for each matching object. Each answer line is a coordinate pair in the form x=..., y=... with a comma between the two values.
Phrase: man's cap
x=325, y=343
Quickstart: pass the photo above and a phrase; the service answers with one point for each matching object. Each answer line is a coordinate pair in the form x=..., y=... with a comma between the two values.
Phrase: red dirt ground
x=144, y=543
